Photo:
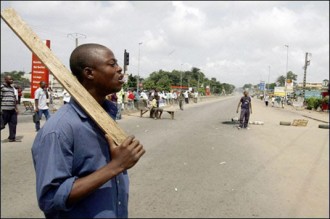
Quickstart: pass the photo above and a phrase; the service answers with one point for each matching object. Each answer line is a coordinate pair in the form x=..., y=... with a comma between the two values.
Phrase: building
x=312, y=86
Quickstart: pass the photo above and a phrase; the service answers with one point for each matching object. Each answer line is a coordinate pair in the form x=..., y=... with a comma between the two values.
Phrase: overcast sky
x=235, y=42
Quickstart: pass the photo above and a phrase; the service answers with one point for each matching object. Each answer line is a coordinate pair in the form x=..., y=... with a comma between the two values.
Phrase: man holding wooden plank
x=80, y=172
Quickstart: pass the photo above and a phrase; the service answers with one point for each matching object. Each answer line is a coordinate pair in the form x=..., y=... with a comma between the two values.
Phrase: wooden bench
x=28, y=106
x=146, y=109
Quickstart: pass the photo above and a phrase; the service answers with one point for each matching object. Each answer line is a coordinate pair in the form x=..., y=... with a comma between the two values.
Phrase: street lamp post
x=268, y=77
x=181, y=77
x=138, y=79
x=286, y=70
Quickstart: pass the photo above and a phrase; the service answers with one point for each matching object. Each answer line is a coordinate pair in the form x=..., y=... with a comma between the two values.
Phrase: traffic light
x=126, y=58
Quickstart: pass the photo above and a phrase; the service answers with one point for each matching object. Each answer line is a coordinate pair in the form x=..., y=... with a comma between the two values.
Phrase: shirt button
x=119, y=203
x=117, y=181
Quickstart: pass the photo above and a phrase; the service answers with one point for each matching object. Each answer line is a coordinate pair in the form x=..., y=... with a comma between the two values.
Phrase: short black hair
x=83, y=56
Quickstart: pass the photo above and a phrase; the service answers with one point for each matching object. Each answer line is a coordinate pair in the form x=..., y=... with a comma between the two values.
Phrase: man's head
x=42, y=84
x=96, y=68
x=8, y=80
x=246, y=93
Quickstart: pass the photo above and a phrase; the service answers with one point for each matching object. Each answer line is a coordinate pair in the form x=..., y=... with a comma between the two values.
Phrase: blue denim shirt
x=69, y=146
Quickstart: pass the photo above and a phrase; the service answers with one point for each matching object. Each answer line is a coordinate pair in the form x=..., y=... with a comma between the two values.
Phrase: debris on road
x=299, y=122
x=256, y=122
x=324, y=126
x=285, y=123
x=222, y=162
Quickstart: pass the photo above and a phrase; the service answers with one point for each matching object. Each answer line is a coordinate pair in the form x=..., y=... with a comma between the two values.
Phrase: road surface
x=197, y=166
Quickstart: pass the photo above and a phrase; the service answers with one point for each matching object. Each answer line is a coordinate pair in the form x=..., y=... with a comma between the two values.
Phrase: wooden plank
x=299, y=122
x=63, y=75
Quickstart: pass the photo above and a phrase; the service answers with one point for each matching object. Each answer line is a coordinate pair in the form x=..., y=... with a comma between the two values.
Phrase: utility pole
x=286, y=70
x=76, y=36
x=138, y=79
x=307, y=62
x=181, y=78
x=268, y=77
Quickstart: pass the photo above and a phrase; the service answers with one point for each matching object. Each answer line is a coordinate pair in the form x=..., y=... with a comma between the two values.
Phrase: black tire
x=285, y=123
x=324, y=126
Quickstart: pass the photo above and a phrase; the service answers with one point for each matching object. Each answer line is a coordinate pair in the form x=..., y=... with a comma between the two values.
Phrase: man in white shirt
x=66, y=97
x=41, y=103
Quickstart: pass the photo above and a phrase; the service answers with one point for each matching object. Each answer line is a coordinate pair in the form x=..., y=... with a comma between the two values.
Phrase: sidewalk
x=310, y=114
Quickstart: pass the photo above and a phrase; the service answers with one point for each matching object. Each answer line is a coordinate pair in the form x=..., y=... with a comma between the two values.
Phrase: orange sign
x=39, y=72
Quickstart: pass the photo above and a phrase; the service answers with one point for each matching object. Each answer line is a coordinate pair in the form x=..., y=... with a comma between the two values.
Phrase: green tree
x=247, y=86
x=290, y=75
x=281, y=80
x=17, y=77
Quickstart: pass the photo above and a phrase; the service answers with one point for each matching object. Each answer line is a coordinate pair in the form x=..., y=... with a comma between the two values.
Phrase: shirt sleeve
x=53, y=157
x=36, y=94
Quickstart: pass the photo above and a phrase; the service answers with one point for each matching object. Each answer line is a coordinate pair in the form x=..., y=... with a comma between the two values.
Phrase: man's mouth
x=121, y=79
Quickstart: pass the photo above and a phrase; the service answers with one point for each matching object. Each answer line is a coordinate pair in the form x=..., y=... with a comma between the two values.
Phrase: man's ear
x=88, y=73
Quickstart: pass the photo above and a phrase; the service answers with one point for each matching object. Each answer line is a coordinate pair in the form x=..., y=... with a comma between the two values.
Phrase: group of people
x=10, y=99
x=130, y=99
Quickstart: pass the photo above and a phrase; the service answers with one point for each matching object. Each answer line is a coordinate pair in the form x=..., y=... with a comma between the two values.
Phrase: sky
x=235, y=42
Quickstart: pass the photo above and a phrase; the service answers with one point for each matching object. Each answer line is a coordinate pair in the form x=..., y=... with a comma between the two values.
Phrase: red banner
x=39, y=72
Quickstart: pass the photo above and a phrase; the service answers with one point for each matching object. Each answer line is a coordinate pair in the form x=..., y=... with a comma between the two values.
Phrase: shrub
x=313, y=102
x=27, y=95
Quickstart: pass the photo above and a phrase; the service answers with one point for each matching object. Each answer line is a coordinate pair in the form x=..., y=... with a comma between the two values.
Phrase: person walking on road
x=80, y=171
x=266, y=99
x=9, y=110
x=41, y=103
x=246, y=109
x=181, y=99
x=66, y=96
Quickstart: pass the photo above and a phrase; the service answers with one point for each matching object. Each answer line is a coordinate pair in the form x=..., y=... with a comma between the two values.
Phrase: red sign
x=39, y=72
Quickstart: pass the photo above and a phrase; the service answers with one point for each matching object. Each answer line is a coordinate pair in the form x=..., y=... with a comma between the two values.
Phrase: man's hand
x=127, y=154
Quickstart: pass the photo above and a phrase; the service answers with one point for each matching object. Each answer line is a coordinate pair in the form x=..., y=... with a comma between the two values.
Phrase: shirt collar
x=107, y=105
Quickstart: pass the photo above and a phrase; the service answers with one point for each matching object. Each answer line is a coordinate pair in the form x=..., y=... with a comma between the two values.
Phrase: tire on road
x=285, y=123
x=324, y=126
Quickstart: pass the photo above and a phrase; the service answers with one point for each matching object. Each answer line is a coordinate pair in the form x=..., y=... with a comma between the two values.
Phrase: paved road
x=196, y=166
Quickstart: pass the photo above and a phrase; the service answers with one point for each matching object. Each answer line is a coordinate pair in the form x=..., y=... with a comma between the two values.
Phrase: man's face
x=107, y=73
x=9, y=80
x=42, y=84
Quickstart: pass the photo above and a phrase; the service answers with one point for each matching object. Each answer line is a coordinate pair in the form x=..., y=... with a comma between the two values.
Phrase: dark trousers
x=244, y=118
x=10, y=117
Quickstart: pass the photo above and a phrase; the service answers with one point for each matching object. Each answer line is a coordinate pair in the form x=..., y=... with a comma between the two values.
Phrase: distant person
x=131, y=98
x=120, y=100
x=66, y=97
x=273, y=101
x=246, y=109
x=9, y=110
x=41, y=103
x=19, y=94
x=80, y=171
x=136, y=99
x=181, y=98
x=266, y=99
x=186, y=96
x=175, y=97
x=155, y=111
x=51, y=95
